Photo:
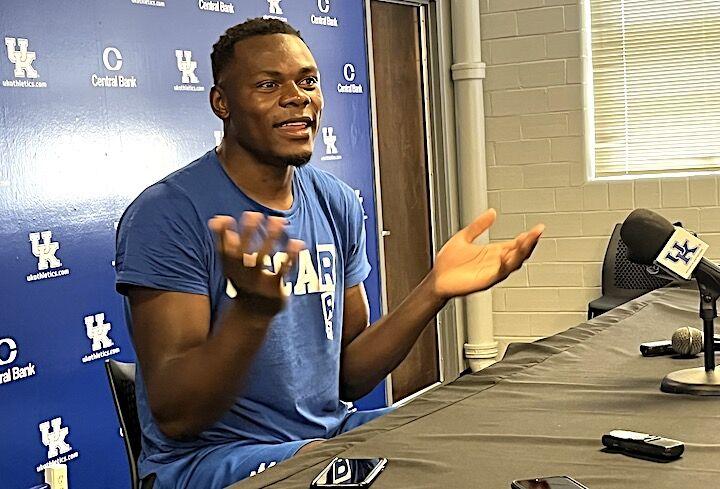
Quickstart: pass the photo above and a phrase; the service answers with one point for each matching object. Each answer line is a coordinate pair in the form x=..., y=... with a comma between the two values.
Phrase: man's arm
x=461, y=268
x=193, y=376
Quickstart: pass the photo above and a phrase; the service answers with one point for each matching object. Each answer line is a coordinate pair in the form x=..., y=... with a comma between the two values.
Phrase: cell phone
x=349, y=472
x=555, y=482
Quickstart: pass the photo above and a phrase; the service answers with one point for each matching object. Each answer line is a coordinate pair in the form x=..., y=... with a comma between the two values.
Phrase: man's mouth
x=297, y=126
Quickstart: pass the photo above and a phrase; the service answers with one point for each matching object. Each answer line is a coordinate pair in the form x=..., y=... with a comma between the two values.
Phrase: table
x=542, y=411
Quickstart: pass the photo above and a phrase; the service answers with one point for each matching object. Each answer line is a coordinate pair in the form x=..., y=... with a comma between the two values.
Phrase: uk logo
x=362, y=203
x=275, y=11
x=330, y=141
x=25, y=74
x=21, y=57
x=187, y=67
x=53, y=436
x=274, y=6
x=97, y=331
x=683, y=252
x=45, y=251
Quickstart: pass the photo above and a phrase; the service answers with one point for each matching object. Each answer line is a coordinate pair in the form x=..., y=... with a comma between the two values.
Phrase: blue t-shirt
x=292, y=392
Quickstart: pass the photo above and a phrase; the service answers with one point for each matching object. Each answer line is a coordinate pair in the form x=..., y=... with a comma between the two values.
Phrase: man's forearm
x=190, y=392
x=375, y=352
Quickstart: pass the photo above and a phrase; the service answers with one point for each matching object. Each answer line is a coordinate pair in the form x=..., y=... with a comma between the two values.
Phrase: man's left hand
x=462, y=267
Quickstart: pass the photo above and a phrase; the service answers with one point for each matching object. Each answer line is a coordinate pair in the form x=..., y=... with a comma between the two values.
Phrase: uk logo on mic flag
x=682, y=253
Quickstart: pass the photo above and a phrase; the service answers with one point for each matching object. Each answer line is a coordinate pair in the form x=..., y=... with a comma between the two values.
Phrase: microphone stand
x=701, y=381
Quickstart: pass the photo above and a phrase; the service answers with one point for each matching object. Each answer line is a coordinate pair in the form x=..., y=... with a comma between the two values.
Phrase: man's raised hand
x=462, y=267
x=243, y=248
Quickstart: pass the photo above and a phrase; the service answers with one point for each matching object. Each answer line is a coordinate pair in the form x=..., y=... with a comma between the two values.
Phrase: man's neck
x=266, y=184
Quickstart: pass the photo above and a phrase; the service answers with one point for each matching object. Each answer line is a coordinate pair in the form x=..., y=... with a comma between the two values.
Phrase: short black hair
x=222, y=52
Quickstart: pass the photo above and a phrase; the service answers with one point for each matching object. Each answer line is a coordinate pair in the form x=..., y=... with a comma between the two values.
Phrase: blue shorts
x=233, y=462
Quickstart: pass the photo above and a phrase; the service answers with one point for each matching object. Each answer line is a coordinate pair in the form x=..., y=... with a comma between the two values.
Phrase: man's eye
x=310, y=81
x=267, y=84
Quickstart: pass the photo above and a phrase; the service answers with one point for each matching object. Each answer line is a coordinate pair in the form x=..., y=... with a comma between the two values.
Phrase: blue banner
x=99, y=99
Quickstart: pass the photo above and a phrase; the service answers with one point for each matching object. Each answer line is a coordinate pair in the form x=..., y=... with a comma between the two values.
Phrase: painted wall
x=536, y=170
x=99, y=99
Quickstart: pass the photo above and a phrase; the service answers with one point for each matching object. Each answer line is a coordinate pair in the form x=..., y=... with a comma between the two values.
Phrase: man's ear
x=218, y=102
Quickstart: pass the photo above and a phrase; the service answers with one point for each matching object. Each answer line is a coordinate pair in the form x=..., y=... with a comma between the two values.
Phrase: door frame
x=438, y=102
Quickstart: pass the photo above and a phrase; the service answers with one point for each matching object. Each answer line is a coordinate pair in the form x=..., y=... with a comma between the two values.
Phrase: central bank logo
x=330, y=141
x=54, y=436
x=326, y=20
x=112, y=60
x=19, y=54
x=219, y=6
x=11, y=347
x=275, y=11
x=8, y=354
x=349, y=73
x=187, y=67
x=45, y=250
x=97, y=331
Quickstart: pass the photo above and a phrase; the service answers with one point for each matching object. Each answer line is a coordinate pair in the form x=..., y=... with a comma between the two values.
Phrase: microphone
x=651, y=239
x=687, y=341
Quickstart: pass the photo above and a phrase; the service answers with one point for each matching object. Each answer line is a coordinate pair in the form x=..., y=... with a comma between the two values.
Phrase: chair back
x=121, y=377
x=622, y=277
x=623, y=280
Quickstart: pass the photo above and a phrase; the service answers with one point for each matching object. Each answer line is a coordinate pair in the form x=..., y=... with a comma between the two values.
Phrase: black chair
x=121, y=377
x=623, y=280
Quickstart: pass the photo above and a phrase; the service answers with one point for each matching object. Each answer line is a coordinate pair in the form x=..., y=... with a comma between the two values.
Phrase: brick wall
x=536, y=170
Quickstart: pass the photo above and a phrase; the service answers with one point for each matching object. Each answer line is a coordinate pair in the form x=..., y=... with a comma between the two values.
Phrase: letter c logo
x=349, y=72
x=118, y=58
x=13, y=350
x=323, y=6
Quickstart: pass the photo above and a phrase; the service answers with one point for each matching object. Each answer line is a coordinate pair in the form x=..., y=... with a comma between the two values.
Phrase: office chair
x=623, y=280
x=121, y=377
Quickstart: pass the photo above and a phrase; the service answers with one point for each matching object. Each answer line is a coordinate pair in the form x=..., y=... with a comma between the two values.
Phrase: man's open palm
x=462, y=267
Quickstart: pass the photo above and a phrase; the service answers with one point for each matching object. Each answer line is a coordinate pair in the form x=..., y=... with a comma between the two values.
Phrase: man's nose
x=294, y=95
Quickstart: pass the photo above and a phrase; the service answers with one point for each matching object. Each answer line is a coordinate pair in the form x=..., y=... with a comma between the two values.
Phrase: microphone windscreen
x=645, y=233
x=687, y=341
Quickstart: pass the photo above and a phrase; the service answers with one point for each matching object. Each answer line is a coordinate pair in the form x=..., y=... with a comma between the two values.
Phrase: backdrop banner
x=98, y=100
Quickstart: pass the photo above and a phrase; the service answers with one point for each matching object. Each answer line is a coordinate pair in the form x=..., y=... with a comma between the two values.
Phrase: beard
x=297, y=160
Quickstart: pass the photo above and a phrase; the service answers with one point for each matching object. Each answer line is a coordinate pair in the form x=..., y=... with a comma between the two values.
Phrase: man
x=250, y=345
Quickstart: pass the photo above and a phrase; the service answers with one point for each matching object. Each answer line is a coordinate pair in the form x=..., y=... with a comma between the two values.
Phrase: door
x=402, y=139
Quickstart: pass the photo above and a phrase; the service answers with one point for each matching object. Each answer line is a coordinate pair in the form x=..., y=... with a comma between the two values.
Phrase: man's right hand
x=243, y=250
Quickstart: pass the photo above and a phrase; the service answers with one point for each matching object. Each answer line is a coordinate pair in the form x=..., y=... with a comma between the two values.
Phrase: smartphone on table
x=555, y=482
x=349, y=473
